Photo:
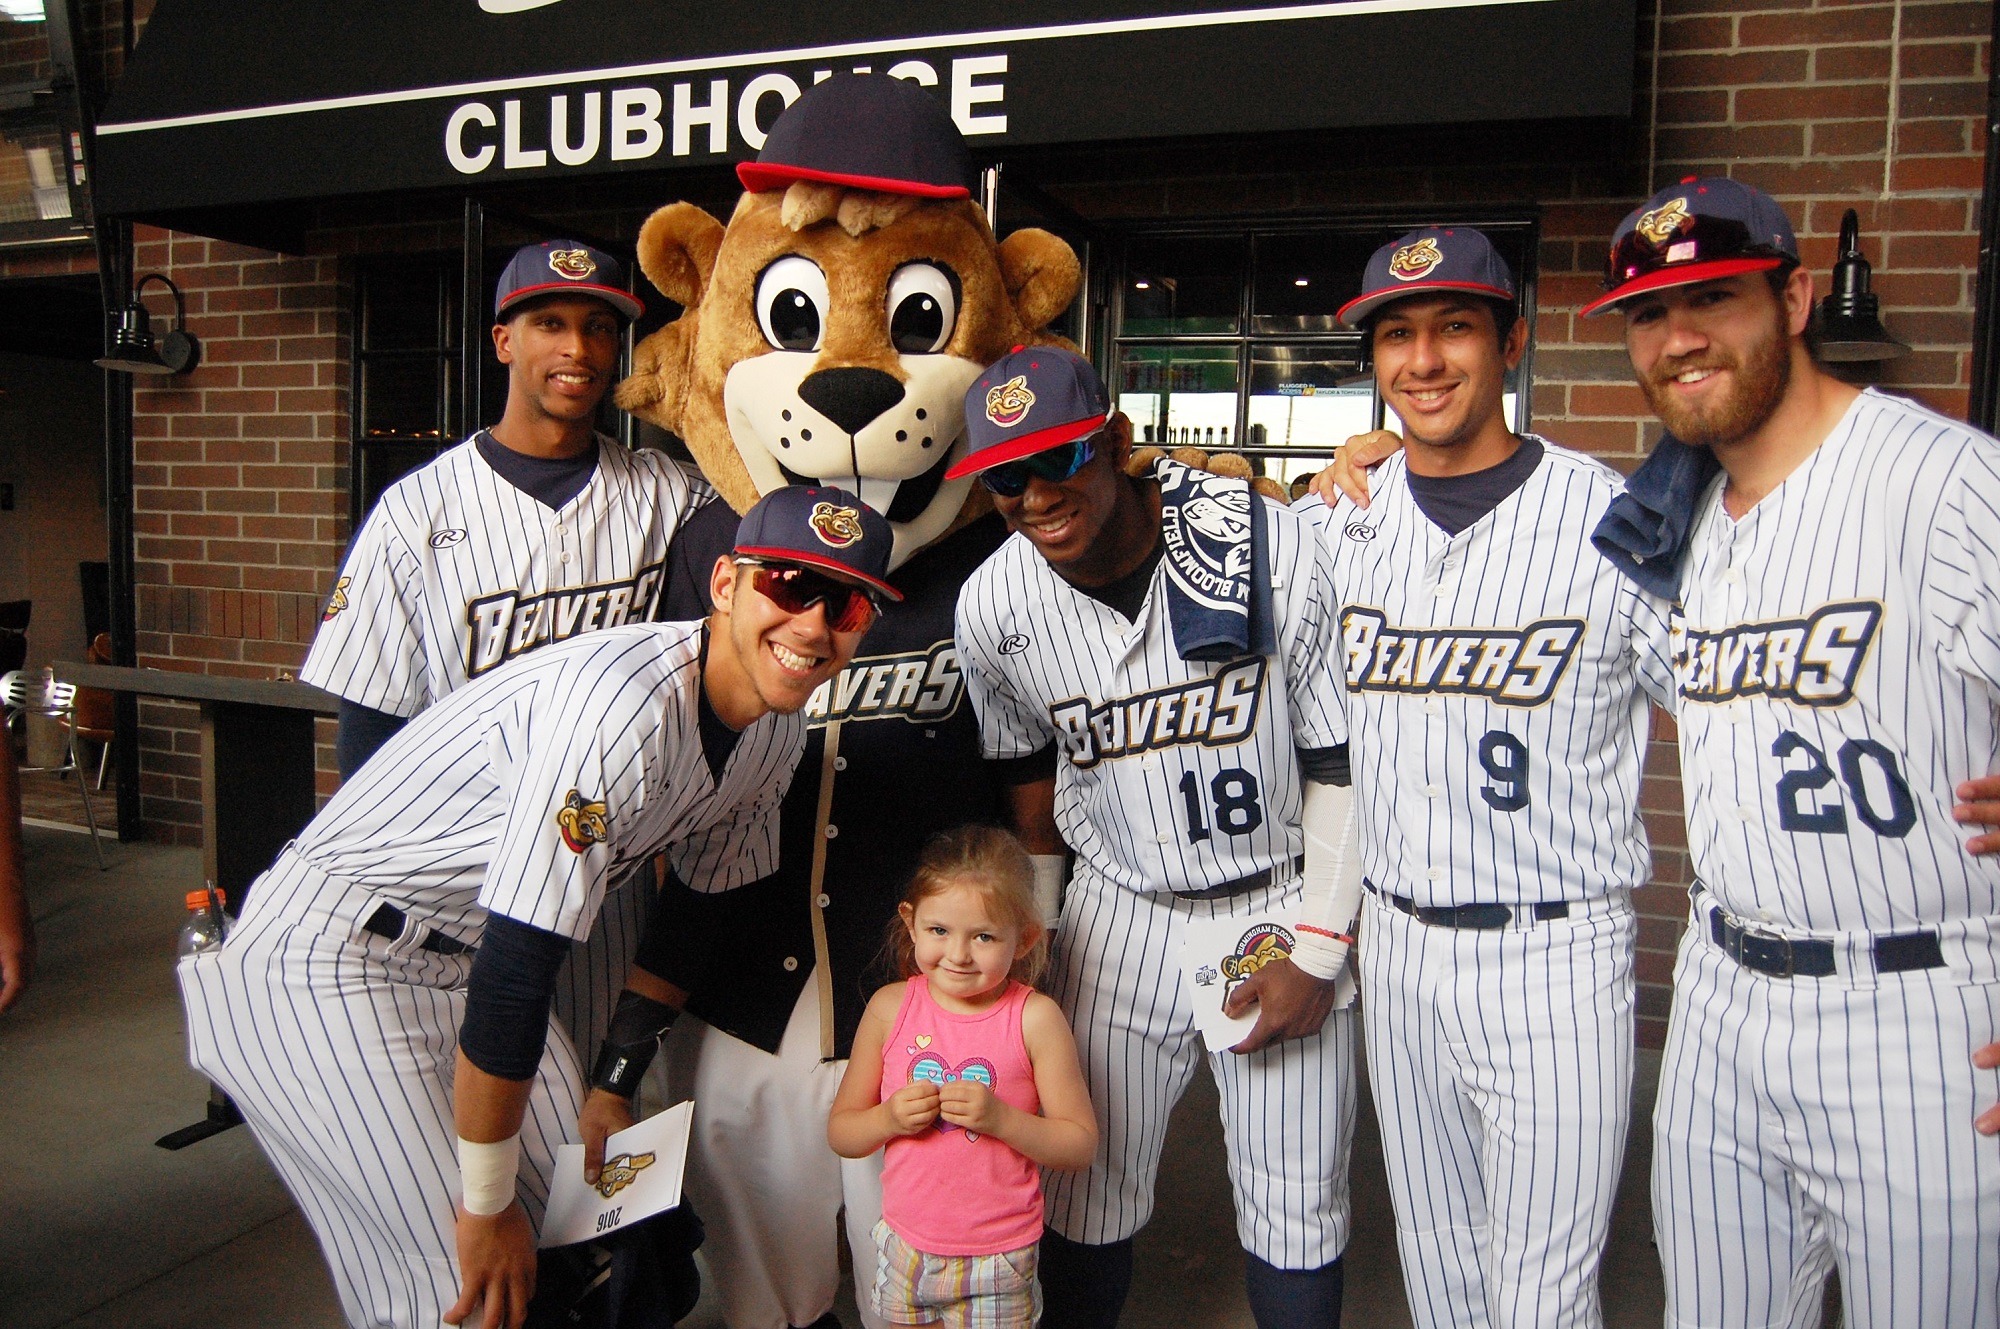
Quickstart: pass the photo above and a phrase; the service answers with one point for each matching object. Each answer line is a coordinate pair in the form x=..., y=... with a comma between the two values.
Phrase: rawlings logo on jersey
x=1214, y=712
x=620, y=1171
x=922, y=687
x=445, y=539
x=338, y=600
x=1014, y=643
x=581, y=821
x=1813, y=661
x=1008, y=403
x=837, y=527
x=1414, y=261
x=571, y=264
x=1660, y=224
x=506, y=623
x=1507, y=666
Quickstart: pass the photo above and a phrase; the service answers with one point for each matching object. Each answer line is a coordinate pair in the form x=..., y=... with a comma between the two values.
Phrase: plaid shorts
x=958, y=1291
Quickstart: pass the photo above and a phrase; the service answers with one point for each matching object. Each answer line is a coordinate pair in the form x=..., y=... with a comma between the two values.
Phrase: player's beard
x=1760, y=376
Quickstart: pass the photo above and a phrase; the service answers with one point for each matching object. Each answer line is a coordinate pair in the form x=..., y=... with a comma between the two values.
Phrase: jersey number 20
x=1237, y=811
x=1796, y=786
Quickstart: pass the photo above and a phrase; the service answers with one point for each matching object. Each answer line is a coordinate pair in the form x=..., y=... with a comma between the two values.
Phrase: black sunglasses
x=1010, y=478
x=796, y=589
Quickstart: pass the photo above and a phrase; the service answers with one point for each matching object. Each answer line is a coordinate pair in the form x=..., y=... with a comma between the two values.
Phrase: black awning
x=233, y=102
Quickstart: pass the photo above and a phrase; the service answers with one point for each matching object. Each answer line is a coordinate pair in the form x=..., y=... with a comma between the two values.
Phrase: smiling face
x=960, y=946
x=1092, y=527
x=1442, y=366
x=560, y=353
x=1715, y=359
x=762, y=658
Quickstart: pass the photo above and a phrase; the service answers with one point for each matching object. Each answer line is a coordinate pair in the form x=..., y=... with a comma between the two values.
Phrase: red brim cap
x=1361, y=306
x=762, y=177
x=1027, y=445
x=1686, y=275
x=832, y=565
x=623, y=301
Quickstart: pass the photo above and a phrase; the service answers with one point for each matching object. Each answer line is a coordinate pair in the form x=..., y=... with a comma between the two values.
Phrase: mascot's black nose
x=850, y=397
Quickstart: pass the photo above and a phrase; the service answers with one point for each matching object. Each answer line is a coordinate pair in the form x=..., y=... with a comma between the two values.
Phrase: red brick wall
x=239, y=488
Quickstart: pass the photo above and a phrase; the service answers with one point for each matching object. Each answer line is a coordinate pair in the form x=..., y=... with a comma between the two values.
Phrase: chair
x=25, y=693
x=94, y=713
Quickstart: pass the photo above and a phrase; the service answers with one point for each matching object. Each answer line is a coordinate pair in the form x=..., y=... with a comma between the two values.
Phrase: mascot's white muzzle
x=858, y=428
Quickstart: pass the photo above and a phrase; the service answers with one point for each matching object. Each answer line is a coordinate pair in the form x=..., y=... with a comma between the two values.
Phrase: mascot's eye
x=791, y=304
x=923, y=308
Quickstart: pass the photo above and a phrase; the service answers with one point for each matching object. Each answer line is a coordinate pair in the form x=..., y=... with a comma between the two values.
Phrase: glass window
x=1307, y=400
x=1180, y=286
x=401, y=397
x=34, y=178
x=24, y=44
x=403, y=306
x=1179, y=395
x=1304, y=278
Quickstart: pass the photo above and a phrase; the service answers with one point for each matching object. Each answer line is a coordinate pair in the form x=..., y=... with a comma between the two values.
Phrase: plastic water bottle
x=203, y=929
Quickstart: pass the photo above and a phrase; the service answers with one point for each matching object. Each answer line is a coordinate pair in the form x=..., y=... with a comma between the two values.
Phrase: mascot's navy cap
x=1030, y=400
x=822, y=528
x=564, y=267
x=1697, y=230
x=1437, y=258
x=866, y=131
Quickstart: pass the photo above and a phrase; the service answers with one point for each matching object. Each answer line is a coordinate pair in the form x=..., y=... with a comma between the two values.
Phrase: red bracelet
x=1327, y=932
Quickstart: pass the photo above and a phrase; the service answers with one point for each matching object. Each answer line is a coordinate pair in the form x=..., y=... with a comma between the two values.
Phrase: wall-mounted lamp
x=1850, y=318
x=132, y=350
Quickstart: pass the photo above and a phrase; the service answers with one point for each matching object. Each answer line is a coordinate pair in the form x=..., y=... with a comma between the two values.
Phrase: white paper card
x=643, y=1166
x=1220, y=953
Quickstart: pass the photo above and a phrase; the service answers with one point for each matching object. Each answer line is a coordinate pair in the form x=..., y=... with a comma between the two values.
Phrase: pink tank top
x=947, y=1191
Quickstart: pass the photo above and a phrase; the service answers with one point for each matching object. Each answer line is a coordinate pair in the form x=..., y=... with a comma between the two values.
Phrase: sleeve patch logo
x=581, y=821
x=338, y=600
x=1265, y=944
x=571, y=264
x=836, y=526
x=1662, y=222
x=1414, y=261
x=620, y=1171
x=1007, y=405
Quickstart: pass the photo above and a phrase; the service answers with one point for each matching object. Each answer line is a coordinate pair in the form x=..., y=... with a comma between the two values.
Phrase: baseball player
x=1836, y=649
x=1198, y=750
x=381, y=1010
x=525, y=534
x=1497, y=671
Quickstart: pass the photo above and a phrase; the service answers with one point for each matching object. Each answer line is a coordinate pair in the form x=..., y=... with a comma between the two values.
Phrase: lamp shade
x=1850, y=318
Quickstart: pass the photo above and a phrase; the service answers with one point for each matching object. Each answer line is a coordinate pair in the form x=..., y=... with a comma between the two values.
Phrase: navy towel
x=1216, y=549
x=1644, y=533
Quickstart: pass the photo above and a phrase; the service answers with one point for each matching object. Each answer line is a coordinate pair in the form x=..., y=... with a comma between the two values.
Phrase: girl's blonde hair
x=992, y=862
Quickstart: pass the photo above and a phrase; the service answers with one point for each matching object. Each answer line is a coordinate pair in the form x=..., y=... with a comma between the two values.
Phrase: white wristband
x=1051, y=872
x=487, y=1173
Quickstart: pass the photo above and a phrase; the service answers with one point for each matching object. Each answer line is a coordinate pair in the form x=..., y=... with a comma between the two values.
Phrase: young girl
x=970, y=1078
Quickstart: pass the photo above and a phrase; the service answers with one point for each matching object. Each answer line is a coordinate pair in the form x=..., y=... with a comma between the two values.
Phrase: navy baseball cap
x=1697, y=230
x=563, y=267
x=820, y=527
x=866, y=131
x=1030, y=400
x=1437, y=258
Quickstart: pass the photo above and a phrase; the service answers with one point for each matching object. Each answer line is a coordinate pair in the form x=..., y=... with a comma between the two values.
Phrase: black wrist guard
x=637, y=1025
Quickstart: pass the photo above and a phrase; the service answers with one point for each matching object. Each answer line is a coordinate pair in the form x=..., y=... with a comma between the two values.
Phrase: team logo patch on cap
x=835, y=525
x=1661, y=223
x=574, y=264
x=338, y=601
x=621, y=1171
x=1262, y=945
x=581, y=821
x=1415, y=260
x=1008, y=403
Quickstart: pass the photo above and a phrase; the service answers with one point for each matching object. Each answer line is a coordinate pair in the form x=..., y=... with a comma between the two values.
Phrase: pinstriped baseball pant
x=1501, y=1064
x=1287, y=1111
x=1805, y=1123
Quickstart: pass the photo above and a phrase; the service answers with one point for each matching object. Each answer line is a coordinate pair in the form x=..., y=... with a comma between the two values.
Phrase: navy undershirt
x=550, y=481
x=1454, y=502
x=718, y=740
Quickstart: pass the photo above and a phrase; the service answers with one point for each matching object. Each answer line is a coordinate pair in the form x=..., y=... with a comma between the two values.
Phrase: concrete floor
x=99, y=1228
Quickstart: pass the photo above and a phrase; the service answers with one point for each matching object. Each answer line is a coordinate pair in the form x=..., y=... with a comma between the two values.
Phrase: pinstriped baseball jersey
x=456, y=572
x=1176, y=775
x=1837, y=662
x=1499, y=694
x=531, y=795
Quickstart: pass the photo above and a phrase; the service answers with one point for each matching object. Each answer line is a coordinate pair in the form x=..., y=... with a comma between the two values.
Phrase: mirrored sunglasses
x=797, y=589
x=1706, y=239
x=1010, y=478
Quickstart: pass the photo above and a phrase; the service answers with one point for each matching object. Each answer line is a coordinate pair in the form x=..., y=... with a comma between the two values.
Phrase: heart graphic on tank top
x=977, y=1069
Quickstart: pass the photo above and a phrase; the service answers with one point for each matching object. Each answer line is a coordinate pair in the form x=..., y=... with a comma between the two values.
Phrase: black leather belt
x=1250, y=883
x=389, y=921
x=1479, y=917
x=1782, y=957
